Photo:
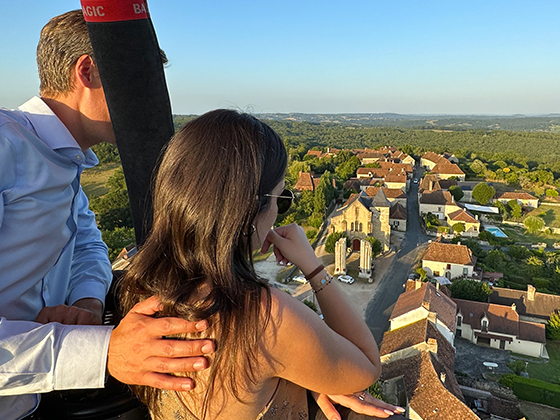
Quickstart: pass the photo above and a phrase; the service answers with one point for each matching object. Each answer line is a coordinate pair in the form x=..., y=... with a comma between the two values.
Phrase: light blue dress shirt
x=51, y=253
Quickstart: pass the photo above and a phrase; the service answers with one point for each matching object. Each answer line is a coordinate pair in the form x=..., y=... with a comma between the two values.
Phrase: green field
x=518, y=234
x=549, y=372
x=551, y=214
x=93, y=180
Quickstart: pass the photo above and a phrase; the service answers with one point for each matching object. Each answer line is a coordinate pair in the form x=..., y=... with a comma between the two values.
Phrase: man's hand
x=139, y=355
x=84, y=312
x=359, y=402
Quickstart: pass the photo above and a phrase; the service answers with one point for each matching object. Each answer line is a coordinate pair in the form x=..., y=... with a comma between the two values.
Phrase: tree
x=519, y=252
x=324, y=194
x=553, y=326
x=515, y=209
x=348, y=168
x=483, y=193
x=456, y=192
x=376, y=246
x=551, y=192
x=106, y=153
x=113, y=209
x=117, y=239
x=407, y=148
x=495, y=259
x=478, y=167
x=296, y=167
x=534, y=224
x=470, y=290
x=458, y=227
x=332, y=239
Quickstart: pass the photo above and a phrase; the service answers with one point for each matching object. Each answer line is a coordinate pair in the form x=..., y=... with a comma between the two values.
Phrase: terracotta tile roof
x=305, y=182
x=501, y=319
x=427, y=396
x=316, y=153
x=373, y=172
x=370, y=155
x=447, y=168
x=398, y=211
x=449, y=253
x=532, y=331
x=542, y=305
x=439, y=197
x=390, y=193
x=407, y=167
x=395, y=177
x=516, y=196
x=429, y=298
x=433, y=157
x=462, y=216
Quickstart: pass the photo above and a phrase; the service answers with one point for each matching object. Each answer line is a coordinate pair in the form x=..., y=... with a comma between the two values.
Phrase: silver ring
x=362, y=396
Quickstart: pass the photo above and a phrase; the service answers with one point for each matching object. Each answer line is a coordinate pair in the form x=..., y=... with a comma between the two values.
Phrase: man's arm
x=41, y=358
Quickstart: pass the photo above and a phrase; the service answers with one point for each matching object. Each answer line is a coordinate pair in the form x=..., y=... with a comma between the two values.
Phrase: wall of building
x=455, y=271
x=398, y=224
x=409, y=318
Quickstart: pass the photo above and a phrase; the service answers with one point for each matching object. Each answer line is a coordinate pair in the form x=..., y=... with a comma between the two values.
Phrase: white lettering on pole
x=93, y=10
x=139, y=8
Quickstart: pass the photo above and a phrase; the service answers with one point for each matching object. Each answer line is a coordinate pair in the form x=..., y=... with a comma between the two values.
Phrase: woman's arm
x=341, y=359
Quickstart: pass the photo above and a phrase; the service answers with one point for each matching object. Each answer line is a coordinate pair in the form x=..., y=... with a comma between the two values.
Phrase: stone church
x=363, y=216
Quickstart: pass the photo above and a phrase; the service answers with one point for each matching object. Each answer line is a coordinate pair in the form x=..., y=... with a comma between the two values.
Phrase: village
x=418, y=248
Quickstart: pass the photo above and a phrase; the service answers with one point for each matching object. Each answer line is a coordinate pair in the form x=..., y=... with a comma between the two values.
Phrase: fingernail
x=335, y=418
x=207, y=348
x=186, y=387
x=199, y=365
x=389, y=412
x=402, y=410
x=201, y=325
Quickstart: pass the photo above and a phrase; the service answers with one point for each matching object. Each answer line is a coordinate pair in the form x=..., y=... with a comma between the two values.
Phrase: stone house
x=446, y=170
x=362, y=216
x=523, y=198
x=394, y=195
x=430, y=160
x=471, y=223
x=431, y=182
x=397, y=217
x=530, y=304
x=308, y=181
x=448, y=260
x=439, y=202
x=499, y=326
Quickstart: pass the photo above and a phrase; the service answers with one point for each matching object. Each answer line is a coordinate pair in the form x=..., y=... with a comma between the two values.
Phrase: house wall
x=529, y=203
x=455, y=271
x=409, y=318
x=447, y=176
x=401, y=185
x=398, y=224
x=440, y=210
x=445, y=331
x=471, y=229
x=428, y=164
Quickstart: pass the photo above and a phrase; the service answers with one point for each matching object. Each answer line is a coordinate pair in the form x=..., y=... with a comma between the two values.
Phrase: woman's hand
x=291, y=245
x=359, y=402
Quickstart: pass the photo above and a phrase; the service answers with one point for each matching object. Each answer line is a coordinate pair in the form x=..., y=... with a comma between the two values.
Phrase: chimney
x=476, y=216
x=418, y=284
x=459, y=243
x=432, y=345
x=531, y=292
x=437, y=285
x=442, y=377
x=514, y=307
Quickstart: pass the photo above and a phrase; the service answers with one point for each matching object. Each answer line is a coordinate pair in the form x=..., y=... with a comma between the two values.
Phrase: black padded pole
x=127, y=54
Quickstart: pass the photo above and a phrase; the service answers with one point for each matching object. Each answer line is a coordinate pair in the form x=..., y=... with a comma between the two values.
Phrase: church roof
x=380, y=199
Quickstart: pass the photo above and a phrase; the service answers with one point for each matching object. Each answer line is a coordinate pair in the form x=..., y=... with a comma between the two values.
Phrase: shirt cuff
x=82, y=357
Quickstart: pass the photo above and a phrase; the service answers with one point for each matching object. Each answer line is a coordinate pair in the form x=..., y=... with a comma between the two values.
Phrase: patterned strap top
x=289, y=402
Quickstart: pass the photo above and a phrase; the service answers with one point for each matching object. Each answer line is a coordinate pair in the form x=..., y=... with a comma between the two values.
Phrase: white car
x=300, y=279
x=346, y=279
x=415, y=180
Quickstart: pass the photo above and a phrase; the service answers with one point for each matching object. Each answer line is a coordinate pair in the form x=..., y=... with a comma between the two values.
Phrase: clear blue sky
x=453, y=57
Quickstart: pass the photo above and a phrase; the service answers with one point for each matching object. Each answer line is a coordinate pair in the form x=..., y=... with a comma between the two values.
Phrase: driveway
x=469, y=359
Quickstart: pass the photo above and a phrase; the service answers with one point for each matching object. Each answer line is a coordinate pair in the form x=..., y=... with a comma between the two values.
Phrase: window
x=458, y=333
x=439, y=209
x=448, y=267
x=502, y=344
x=465, y=271
x=352, y=226
x=361, y=227
x=459, y=321
x=484, y=325
x=436, y=273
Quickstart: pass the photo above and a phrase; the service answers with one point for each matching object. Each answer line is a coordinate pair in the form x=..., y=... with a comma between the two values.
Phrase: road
x=379, y=308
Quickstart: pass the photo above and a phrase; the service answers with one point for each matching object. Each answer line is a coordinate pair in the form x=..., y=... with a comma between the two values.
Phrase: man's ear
x=86, y=73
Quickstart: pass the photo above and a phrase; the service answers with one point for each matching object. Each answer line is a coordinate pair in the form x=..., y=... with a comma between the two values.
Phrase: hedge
x=535, y=390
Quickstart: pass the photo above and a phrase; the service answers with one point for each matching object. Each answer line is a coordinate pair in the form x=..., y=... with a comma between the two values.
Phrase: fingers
x=148, y=307
x=162, y=381
x=169, y=326
x=326, y=406
x=180, y=348
x=168, y=365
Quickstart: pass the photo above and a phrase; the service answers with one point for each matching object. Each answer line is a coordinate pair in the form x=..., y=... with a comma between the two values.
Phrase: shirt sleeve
x=91, y=270
x=41, y=358
x=7, y=171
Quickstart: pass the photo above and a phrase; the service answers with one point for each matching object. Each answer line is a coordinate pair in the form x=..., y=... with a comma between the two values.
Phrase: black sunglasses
x=284, y=200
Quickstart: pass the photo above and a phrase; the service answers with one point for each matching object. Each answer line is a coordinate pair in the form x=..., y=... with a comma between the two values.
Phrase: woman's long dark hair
x=209, y=189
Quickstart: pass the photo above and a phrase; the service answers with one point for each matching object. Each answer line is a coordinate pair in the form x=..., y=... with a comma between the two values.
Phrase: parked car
x=346, y=279
x=415, y=180
x=300, y=279
x=414, y=276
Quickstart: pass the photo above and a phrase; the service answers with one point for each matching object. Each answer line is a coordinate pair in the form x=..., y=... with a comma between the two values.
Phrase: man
x=53, y=264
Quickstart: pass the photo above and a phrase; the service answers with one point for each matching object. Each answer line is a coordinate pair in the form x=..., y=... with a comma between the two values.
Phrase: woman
x=218, y=191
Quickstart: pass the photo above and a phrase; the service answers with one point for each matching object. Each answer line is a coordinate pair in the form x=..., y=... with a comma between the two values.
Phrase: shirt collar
x=48, y=126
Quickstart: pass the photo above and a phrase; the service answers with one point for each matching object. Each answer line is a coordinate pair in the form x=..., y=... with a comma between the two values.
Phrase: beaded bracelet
x=324, y=283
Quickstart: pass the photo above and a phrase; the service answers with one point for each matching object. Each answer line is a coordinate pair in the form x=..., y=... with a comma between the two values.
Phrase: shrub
x=310, y=304
x=541, y=283
x=517, y=366
x=332, y=239
x=311, y=233
x=507, y=379
x=553, y=326
x=470, y=290
x=534, y=390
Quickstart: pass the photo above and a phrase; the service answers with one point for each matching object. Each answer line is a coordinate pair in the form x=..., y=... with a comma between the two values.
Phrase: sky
x=349, y=56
